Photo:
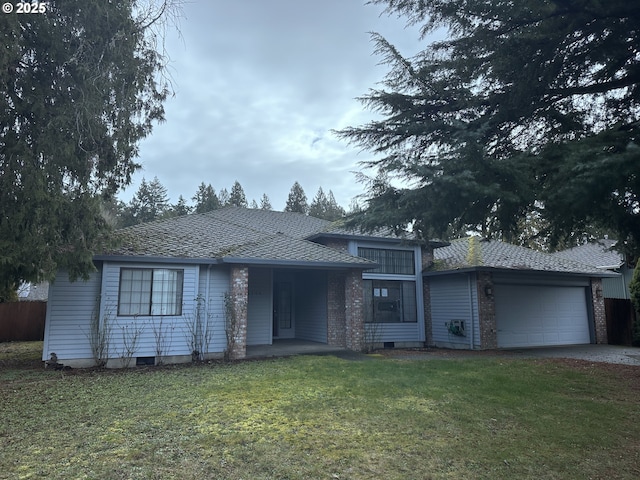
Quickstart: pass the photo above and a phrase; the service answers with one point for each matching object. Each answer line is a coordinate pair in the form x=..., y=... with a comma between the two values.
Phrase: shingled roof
x=598, y=254
x=234, y=235
x=479, y=253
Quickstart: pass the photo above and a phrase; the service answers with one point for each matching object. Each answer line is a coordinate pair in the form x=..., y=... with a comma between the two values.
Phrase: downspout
x=471, y=310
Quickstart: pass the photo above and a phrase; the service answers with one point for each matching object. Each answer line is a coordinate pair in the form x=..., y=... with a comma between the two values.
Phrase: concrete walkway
x=286, y=348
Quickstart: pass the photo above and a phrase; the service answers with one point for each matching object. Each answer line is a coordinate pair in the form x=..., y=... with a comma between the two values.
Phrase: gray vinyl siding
x=260, y=307
x=618, y=287
x=394, y=332
x=452, y=298
x=145, y=326
x=311, y=306
x=217, y=280
x=70, y=308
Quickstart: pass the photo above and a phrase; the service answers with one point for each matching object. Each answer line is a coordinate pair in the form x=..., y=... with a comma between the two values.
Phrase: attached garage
x=508, y=296
x=537, y=315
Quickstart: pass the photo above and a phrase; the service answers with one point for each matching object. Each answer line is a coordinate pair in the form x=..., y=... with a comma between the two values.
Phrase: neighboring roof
x=473, y=253
x=234, y=235
x=598, y=254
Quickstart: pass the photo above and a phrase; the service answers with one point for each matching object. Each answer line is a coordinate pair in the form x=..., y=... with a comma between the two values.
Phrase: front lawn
x=323, y=417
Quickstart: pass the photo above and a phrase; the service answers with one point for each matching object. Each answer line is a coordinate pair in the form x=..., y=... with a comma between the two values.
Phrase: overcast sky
x=259, y=85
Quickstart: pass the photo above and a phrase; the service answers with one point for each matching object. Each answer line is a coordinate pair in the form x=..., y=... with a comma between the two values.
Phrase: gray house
x=490, y=294
x=164, y=294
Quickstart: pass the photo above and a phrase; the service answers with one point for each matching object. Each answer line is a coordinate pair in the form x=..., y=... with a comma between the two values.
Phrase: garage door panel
x=540, y=315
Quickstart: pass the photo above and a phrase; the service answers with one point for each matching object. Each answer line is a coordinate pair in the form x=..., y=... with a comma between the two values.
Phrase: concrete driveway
x=592, y=353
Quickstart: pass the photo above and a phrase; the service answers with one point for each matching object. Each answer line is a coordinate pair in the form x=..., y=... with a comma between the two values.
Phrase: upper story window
x=150, y=291
x=399, y=262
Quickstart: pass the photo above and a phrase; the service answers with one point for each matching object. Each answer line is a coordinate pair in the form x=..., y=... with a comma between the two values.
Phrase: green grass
x=321, y=417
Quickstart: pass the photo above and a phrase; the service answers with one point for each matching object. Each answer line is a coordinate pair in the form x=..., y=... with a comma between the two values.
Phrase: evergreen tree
x=254, y=204
x=297, y=200
x=526, y=108
x=265, y=203
x=205, y=199
x=150, y=202
x=223, y=197
x=325, y=206
x=319, y=204
x=80, y=86
x=181, y=208
x=237, y=197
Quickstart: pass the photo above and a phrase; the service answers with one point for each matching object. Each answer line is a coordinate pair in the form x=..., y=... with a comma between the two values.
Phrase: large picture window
x=399, y=262
x=150, y=291
x=387, y=301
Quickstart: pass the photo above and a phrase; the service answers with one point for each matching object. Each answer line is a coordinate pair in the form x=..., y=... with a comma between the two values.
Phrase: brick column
x=336, y=318
x=487, y=312
x=354, y=311
x=427, y=257
x=240, y=299
x=599, y=316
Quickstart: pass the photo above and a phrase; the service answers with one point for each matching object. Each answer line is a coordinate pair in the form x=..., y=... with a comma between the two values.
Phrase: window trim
x=370, y=301
x=179, y=292
x=376, y=271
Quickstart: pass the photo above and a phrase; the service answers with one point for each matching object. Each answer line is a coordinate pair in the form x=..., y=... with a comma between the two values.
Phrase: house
x=602, y=254
x=490, y=294
x=171, y=287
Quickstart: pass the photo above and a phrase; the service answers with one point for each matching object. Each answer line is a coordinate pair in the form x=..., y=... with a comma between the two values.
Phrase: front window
x=387, y=301
x=150, y=291
x=398, y=262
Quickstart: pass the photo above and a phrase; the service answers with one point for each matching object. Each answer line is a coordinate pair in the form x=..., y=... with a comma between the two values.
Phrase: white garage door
x=528, y=316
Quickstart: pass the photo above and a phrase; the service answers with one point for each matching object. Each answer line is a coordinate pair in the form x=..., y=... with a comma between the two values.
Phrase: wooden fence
x=620, y=317
x=22, y=321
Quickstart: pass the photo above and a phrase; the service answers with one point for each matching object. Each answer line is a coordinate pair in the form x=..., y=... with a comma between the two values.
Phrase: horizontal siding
x=450, y=300
x=259, y=309
x=311, y=306
x=172, y=331
x=218, y=285
x=70, y=308
x=393, y=332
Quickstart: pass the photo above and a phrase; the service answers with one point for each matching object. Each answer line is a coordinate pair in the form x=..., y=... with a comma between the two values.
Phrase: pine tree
x=237, y=197
x=297, y=200
x=150, y=201
x=205, y=199
x=265, y=203
x=319, y=204
x=181, y=208
x=223, y=197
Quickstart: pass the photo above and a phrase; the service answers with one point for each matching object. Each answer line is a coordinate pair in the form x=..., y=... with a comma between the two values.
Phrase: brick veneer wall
x=336, y=314
x=599, y=316
x=354, y=310
x=487, y=312
x=240, y=296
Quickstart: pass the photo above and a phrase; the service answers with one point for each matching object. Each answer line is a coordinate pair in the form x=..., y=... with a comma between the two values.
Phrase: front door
x=283, y=310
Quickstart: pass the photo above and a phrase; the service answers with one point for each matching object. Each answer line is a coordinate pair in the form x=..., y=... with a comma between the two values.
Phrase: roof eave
x=156, y=259
x=432, y=273
x=296, y=263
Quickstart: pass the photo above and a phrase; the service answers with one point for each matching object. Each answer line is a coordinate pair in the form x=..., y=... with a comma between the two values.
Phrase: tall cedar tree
x=297, y=200
x=525, y=107
x=80, y=86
